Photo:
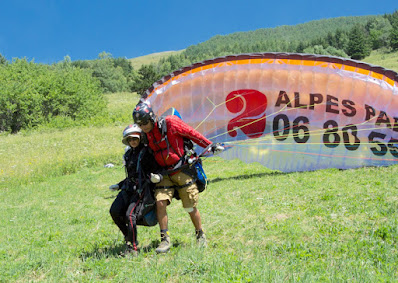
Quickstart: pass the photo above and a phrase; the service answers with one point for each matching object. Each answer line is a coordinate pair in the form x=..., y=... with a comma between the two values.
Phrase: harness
x=135, y=184
x=143, y=212
x=128, y=158
x=189, y=162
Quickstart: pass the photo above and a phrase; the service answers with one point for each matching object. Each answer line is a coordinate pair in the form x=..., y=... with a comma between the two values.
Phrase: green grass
x=262, y=226
x=122, y=102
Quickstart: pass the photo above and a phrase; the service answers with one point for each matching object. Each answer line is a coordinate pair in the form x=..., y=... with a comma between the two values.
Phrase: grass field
x=262, y=225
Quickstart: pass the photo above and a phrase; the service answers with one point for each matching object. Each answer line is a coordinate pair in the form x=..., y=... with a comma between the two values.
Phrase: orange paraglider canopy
x=290, y=112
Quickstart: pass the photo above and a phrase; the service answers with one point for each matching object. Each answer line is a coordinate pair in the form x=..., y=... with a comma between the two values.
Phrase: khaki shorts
x=189, y=194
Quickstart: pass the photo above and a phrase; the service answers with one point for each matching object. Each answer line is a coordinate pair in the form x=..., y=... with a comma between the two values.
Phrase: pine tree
x=379, y=30
x=147, y=75
x=358, y=45
x=394, y=31
x=3, y=60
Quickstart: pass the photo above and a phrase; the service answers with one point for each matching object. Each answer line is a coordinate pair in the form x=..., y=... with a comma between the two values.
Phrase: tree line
x=348, y=37
x=32, y=94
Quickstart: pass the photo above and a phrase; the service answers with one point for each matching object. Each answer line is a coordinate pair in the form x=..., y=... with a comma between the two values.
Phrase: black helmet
x=143, y=113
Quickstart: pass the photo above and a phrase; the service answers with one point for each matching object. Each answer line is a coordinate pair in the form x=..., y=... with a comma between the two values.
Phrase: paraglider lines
x=305, y=136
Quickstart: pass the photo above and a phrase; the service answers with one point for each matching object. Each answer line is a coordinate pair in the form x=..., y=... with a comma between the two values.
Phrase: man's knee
x=189, y=209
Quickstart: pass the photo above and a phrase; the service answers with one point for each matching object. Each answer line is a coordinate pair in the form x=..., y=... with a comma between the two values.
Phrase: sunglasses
x=143, y=123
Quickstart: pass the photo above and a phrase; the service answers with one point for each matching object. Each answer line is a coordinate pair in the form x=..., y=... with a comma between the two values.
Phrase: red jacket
x=176, y=131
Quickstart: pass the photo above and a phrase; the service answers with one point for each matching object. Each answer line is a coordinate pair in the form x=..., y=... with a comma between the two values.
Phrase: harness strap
x=162, y=126
x=177, y=187
x=142, y=152
x=133, y=221
x=175, y=169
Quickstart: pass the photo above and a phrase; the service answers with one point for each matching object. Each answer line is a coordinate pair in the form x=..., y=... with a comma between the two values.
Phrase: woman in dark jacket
x=135, y=203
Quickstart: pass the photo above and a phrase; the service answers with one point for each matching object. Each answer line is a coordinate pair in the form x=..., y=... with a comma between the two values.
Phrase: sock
x=199, y=232
x=164, y=233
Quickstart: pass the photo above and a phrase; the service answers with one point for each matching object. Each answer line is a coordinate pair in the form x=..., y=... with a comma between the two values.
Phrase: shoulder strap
x=126, y=158
x=140, y=155
x=162, y=126
x=188, y=145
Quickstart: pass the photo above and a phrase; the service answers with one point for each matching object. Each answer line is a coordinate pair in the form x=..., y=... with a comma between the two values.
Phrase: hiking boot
x=201, y=239
x=164, y=245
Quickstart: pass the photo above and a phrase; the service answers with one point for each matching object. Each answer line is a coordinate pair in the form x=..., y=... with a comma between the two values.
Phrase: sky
x=46, y=31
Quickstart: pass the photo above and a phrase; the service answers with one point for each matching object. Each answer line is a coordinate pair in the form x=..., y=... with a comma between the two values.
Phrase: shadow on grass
x=275, y=173
x=119, y=250
x=104, y=252
x=110, y=197
x=154, y=244
x=247, y=176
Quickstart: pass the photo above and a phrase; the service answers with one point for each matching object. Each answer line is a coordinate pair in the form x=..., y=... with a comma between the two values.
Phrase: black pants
x=122, y=214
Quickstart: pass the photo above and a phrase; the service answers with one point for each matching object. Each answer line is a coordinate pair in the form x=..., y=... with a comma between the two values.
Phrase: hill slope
x=386, y=60
x=307, y=31
x=137, y=62
x=271, y=38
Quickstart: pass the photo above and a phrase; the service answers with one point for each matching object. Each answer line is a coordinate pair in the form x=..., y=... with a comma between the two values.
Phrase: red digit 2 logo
x=251, y=105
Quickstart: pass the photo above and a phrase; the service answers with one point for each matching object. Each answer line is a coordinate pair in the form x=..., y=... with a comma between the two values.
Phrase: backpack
x=145, y=211
x=201, y=178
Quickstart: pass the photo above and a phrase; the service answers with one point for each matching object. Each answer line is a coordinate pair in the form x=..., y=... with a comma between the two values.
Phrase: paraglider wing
x=290, y=112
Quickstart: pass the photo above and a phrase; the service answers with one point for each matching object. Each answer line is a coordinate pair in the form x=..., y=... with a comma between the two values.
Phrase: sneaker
x=164, y=245
x=201, y=239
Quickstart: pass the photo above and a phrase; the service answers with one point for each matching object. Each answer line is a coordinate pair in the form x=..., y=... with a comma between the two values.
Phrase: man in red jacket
x=169, y=151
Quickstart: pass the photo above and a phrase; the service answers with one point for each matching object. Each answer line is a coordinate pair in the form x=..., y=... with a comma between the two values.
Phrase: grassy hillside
x=308, y=31
x=282, y=38
x=151, y=58
x=386, y=60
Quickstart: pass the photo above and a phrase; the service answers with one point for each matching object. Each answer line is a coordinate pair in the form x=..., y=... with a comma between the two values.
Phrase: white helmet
x=131, y=131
